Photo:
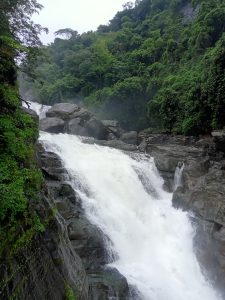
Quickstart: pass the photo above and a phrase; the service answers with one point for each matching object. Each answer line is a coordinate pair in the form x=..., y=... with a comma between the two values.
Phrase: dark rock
x=109, y=284
x=96, y=129
x=62, y=110
x=74, y=126
x=52, y=125
x=130, y=137
x=142, y=146
x=113, y=128
x=29, y=111
x=82, y=114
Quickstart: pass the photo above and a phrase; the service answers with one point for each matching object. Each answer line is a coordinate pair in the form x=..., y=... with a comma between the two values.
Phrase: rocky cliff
x=202, y=192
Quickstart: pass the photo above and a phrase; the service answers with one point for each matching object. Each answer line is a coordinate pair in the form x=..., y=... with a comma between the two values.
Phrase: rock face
x=52, y=125
x=62, y=110
x=48, y=266
x=202, y=192
x=69, y=118
x=130, y=137
x=85, y=240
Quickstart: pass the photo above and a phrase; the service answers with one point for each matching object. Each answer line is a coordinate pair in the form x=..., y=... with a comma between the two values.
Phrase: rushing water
x=178, y=176
x=123, y=195
x=38, y=108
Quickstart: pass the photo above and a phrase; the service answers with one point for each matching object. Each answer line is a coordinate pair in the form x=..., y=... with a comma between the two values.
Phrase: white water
x=178, y=176
x=152, y=240
x=40, y=109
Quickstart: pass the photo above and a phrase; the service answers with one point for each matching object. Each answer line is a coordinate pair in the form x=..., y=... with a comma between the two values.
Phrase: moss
x=69, y=292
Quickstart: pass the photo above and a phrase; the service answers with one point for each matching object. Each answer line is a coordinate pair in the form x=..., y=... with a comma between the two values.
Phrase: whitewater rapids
x=123, y=195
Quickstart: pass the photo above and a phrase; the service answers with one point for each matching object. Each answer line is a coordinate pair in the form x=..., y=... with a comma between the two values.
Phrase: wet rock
x=75, y=126
x=52, y=125
x=29, y=111
x=130, y=137
x=62, y=110
x=96, y=129
x=202, y=192
x=109, y=284
x=82, y=113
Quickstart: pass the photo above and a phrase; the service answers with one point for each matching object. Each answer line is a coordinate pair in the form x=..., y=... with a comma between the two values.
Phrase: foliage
x=154, y=65
x=20, y=179
x=69, y=292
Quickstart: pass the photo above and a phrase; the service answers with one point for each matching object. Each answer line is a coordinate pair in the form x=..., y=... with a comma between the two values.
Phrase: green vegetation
x=69, y=292
x=20, y=179
x=159, y=64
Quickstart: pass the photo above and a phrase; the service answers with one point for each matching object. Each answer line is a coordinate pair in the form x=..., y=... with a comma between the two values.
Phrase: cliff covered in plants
x=29, y=231
x=158, y=64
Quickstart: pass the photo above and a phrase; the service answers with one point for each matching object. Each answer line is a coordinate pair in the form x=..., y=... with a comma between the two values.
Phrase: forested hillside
x=159, y=64
x=20, y=179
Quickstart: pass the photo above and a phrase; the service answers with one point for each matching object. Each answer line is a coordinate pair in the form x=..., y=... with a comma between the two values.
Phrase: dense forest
x=20, y=179
x=157, y=64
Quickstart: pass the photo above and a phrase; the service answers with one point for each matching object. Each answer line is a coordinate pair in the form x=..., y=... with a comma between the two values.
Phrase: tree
x=67, y=32
x=127, y=6
x=17, y=14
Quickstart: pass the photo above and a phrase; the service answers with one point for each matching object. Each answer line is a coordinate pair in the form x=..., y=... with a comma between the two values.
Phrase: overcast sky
x=80, y=15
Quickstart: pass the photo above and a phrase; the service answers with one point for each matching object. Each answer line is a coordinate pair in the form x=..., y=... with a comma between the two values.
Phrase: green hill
x=159, y=64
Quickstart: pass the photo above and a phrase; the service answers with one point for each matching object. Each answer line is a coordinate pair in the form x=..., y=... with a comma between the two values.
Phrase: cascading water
x=38, y=108
x=123, y=195
x=178, y=176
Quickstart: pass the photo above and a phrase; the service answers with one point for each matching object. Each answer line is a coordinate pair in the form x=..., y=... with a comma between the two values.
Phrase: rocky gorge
x=75, y=249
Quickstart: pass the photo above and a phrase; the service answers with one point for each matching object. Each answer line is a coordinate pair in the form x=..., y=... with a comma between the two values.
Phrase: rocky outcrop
x=130, y=137
x=85, y=240
x=52, y=125
x=202, y=192
x=43, y=265
x=62, y=110
x=69, y=118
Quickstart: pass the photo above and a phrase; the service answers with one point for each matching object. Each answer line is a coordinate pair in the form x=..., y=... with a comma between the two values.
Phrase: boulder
x=115, y=131
x=96, y=129
x=109, y=284
x=82, y=113
x=52, y=125
x=74, y=126
x=130, y=137
x=62, y=110
x=29, y=111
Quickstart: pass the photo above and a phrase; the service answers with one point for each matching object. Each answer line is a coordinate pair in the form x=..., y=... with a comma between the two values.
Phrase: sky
x=80, y=15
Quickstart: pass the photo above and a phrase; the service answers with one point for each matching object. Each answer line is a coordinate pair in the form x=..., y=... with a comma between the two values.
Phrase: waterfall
x=40, y=109
x=178, y=175
x=123, y=195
